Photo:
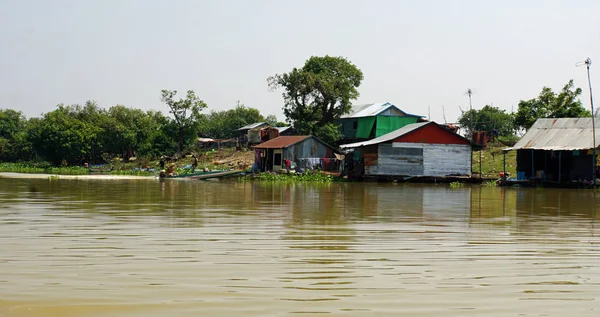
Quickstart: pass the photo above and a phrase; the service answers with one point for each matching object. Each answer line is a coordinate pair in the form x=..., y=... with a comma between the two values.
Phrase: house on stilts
x=423, y=150
x=556, y=151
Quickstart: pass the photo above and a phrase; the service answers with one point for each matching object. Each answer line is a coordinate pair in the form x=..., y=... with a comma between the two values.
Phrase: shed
x=374, y=120
x=557, y=150
x=246, y=134
x=418, y=149
x=302, y=151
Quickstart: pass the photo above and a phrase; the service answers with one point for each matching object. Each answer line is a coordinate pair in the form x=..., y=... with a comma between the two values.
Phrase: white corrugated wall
x=446, y=159
x=434, y=160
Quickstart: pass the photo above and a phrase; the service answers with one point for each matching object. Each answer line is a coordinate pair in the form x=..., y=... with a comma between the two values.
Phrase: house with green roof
x=373, y=120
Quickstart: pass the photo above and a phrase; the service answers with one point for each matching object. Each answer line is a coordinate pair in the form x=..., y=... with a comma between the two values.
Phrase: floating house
x=373, y=120
x=415, y=150
x=300, y=151
x=557, y=151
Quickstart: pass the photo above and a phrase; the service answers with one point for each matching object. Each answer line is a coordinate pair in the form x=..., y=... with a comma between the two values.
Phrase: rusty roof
x=282, y=142
x=563, y=134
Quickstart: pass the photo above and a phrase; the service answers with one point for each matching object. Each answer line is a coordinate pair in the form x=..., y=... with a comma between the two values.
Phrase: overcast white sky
x=415, y=54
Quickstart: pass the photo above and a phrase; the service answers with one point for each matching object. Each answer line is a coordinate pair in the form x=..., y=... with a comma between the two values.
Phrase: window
x=355, y=125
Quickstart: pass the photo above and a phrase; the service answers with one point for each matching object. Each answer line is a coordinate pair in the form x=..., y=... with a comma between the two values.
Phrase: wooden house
x=300, y=151
x=418, y=149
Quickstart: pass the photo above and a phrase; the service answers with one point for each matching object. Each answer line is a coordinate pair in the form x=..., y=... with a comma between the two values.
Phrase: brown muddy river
x=193, y=248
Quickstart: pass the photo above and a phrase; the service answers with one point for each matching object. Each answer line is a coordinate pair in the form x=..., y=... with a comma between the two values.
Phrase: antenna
x=429, y=112
x=444, y=114
x=469, y=92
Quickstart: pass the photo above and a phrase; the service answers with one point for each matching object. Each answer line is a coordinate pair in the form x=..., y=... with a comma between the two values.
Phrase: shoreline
x=14, y=175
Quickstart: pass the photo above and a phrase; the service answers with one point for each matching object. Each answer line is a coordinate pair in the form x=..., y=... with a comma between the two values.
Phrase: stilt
x=559, y=165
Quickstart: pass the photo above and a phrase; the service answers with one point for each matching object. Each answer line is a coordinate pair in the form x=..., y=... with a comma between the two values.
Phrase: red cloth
x=288, y=163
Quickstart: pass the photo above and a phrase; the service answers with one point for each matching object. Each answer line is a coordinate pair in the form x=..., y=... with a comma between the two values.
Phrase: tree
x=317, y=94
x=185, y=113
x=13, y=136
x=63, y=135
x=489, y=119
x=271, y=120
x=548, y=104
x=223, y=124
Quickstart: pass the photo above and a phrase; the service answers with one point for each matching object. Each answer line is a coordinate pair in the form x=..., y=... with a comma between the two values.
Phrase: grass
x=457, y=185
x=491, y=183
x=42, y=169
x=492, y=161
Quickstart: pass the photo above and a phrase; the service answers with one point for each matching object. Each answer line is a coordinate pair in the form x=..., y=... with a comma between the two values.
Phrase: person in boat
x=195, y=164
x=171, y=170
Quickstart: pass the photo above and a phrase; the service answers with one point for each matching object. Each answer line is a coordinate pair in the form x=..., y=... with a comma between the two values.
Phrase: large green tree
x=548, y=104
x=317, y=94
x=14, y=144
x=489, y=119
x=186, y=112
x=66, y=135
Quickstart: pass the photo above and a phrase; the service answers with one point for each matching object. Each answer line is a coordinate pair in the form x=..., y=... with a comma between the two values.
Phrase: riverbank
x=72, y=177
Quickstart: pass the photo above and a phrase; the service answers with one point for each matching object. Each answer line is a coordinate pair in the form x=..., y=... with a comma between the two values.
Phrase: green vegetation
x=316, y=95
x=32, y=168
x=185, y=114
x=549, y=104
x=78, y=134
x=492, y=161
x=489, y=119
x=316, y=177
x=457, y=185
x=223, y=124
x=491, y=183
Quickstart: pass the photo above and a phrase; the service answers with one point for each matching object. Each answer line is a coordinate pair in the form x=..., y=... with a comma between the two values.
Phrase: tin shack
x=302, y=152
x=415, y=150
x=557, y=151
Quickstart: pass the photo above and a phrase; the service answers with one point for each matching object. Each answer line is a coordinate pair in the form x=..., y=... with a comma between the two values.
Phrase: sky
x=421, y=56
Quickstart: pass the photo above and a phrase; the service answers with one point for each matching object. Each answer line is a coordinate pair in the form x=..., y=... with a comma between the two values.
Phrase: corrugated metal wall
x=447, y=159
x=418, y=159
x=397, y=161
x=307, y=148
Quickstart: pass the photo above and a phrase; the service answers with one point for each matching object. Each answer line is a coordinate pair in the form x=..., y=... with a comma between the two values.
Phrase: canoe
x=207, y=175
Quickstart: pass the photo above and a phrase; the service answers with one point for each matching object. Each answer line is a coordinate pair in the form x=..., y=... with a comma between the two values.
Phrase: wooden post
x=480, y=156
x=504, y=166
x=532, y=163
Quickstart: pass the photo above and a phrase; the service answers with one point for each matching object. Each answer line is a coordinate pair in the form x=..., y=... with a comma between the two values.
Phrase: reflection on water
x=179, y=248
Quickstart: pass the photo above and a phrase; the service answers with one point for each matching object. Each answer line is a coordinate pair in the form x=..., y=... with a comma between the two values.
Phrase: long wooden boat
x=208, y=175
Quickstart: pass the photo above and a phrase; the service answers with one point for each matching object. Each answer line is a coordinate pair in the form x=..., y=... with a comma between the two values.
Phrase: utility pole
x=588, y=63
x=470, y=93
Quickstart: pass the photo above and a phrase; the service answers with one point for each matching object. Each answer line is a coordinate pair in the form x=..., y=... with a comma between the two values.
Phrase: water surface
x=192, y=248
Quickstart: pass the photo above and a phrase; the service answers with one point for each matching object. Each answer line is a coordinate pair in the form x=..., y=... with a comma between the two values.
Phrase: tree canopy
x=489, y=119
x=223, y=124
x=186, y=112
x=548, y=104
x=317, y=94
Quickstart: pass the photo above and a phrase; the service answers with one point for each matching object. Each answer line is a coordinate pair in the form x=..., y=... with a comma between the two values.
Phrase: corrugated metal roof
x=282, y=142
x=390, y=136
x=371, y=109
x=563, y=134
x=252, y=126
x=281, y=129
